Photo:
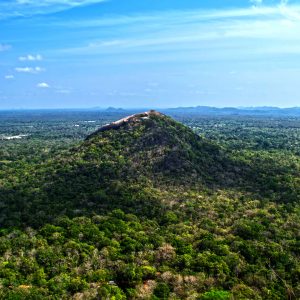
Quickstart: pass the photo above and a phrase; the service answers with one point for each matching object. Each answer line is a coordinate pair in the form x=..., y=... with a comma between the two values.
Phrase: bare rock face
x=136, y=118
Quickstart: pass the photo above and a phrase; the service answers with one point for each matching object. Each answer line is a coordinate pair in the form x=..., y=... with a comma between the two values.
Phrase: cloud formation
x=43, y=85
x=256, y=2
x=63, y=91
x=100, y=53
x=30, y=57
x=25, y=8
x=232, y=32
x=32, y=70
x=9, y=77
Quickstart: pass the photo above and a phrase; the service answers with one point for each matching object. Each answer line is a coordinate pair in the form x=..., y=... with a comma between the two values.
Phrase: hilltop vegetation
x=151, y=210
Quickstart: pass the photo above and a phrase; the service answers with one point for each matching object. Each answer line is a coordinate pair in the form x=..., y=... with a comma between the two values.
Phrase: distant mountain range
x=196, y=110
x=208, y=110
x=264, y=111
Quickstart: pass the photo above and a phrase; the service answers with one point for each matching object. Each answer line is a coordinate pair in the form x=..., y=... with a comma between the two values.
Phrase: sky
x=149, y=53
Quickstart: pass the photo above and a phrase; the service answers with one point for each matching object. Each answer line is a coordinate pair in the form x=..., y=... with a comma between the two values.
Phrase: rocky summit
x=136, y=118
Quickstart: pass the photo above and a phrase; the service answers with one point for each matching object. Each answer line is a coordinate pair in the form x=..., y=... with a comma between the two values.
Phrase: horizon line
x=153, y=108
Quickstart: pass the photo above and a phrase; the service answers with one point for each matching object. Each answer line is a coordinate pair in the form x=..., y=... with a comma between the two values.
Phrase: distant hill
x=243, y=111
x=195, y=110
x=224, y=111
x=115, y=110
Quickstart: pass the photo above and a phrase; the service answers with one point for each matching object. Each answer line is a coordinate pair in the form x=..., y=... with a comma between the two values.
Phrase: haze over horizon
x=101, y=53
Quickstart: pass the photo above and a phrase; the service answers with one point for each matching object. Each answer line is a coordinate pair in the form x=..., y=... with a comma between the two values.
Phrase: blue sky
x=149, y=53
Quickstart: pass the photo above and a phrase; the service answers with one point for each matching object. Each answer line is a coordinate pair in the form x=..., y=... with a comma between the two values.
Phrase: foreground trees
x=120, y=256
x=101, y=221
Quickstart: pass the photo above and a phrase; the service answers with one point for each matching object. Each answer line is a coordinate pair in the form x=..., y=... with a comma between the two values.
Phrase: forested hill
x=124, y=164
x=136, y=156
x=144, y=208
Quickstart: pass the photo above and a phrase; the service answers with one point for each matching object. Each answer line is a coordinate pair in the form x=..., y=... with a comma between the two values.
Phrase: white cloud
x=43, y=85
x=252, y=30
x=32, y=70
x=24, y=8
x=30, y=57
x=9, y=77
x=63, y=91
x=154, y=21
x=256, y=2
x=290, y=13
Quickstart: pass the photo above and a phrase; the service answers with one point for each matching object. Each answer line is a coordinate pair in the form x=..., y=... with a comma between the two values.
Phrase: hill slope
x=123, y=164
x=146, y=209
x=160, y=148
x=140, y=164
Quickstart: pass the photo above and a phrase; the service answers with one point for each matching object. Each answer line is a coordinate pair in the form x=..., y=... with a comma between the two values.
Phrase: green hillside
x=127, y=166
x=144, y=208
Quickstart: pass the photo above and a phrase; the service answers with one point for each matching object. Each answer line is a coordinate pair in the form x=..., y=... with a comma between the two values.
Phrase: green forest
x=155, y=207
